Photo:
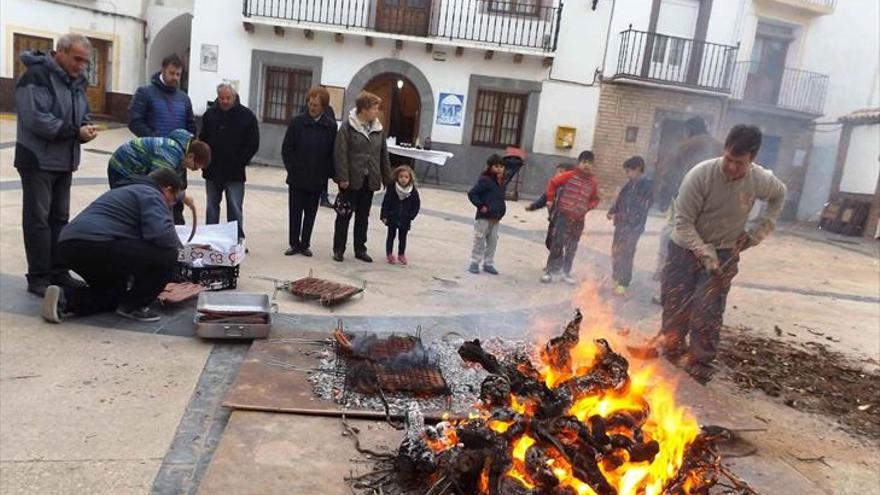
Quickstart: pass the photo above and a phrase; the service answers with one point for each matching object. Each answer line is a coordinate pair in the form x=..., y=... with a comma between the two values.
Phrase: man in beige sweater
x=711, y=213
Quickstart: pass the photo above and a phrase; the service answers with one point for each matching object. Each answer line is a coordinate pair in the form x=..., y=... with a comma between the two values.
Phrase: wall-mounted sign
x=565, y=137
x=337, y=99
x=449, y=109
x=208, y=58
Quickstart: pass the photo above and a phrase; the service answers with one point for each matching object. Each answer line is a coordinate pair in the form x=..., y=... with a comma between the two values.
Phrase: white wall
x=219, y=22
x=53, y=20
x=862, y=165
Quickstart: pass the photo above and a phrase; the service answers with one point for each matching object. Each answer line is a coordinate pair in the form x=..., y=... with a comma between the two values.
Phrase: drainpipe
x=597, y=74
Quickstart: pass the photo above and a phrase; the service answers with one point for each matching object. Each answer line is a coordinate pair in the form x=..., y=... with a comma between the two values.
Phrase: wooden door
x=97, y=76
x=382, y=87
x=403, y=16
x=25, y=43
x=766, y=69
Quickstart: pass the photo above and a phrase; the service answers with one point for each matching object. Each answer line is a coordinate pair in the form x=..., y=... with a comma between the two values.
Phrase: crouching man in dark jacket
x=127, y=234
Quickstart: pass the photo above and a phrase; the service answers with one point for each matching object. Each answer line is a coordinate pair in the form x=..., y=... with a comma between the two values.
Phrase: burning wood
x=570, y=426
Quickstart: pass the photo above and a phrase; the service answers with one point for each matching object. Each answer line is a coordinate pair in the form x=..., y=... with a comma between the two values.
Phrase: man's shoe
x=567, y=278
x=401, y=259
x=64, y=279
x=546, y=278
x=656, y=300
x=490, y=269
x=363, y=257
x=38, y=287
x=307, y=252
x=390, y=259
x=619, y=289
x=474, y=268
x=337, y=256
x=51, y=310
x=701, y=372
x=675, y=355
x=291, y=251
x=141, y=314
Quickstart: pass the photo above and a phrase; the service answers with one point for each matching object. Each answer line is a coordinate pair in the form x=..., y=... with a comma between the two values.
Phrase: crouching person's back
x=126, y=235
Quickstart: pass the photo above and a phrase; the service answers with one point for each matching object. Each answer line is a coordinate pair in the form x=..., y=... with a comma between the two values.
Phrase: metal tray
x=233, y=303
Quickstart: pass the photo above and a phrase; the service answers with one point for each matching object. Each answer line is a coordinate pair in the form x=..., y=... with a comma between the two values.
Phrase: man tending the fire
x=711, y=213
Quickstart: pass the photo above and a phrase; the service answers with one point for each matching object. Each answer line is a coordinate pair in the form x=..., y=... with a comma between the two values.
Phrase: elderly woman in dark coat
x=308, y=157
x=362, y=168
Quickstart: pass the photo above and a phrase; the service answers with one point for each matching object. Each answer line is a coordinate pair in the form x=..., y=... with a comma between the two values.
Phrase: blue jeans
x=234, y=203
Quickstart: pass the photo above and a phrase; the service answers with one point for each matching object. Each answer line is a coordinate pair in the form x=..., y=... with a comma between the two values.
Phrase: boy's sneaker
x=474, y=268
x=490, y=269
x=141, y=314
x=52, y=304
x=401, y=259
x=567, y=278
x=619, y=289
x=390, y=259
x=546, y=278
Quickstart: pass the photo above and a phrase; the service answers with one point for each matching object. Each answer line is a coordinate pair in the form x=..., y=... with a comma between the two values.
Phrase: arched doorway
x=173, y=37
x=401, y=106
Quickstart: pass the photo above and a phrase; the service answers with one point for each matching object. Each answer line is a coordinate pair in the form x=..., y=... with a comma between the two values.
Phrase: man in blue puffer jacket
x=161, y=107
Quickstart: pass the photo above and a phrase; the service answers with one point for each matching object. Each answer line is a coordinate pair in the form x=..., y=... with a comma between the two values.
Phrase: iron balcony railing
x=673, y=60
x=530, y=24
x=790, y=89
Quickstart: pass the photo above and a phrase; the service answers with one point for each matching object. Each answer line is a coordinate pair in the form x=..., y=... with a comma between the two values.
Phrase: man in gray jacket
x=53, y=120
x=711, y=212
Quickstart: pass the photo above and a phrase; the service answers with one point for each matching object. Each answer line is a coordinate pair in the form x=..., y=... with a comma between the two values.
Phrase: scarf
x=403, y=192
x=365, y=129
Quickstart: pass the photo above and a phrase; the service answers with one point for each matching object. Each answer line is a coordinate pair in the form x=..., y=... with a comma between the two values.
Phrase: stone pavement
x=98, y=405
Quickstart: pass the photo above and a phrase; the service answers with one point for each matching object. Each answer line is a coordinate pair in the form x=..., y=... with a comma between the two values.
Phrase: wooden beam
x=339, y=37
x=279, y=31
x=488, y=55
x=518, y=58
x=309, y=34
x=459, y=51
x=368, y=40
x=548, y=61
x=249, y=27
x=429, y=48
x=398, y=44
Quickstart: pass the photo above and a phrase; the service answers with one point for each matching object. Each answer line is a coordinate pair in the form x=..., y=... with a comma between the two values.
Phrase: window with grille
x=521, y=7
x=498, y=119
x=24, y=43
x=285, y=93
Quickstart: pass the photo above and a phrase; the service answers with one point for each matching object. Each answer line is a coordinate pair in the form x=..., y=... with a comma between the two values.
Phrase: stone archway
x=405, y=69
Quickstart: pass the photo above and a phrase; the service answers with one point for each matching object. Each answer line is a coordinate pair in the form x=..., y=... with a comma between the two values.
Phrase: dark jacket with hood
x=234, y=137
x=134, y=210
x=488, y=192
x=51, y=108
x=631, y=207
x=307, y=151
x=691, y=151
x=157, y=109
x=398, y=212
x=361, y=155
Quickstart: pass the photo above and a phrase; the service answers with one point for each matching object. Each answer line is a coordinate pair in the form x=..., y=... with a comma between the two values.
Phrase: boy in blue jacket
x=629, y=213
x=488, y=196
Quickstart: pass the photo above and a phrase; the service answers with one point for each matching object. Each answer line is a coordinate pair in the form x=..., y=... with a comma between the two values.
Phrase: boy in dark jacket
x=400, y=206
x=488, y=196
x=124, y=237
x=231, y=130
x=630, y=212
x=579, y=195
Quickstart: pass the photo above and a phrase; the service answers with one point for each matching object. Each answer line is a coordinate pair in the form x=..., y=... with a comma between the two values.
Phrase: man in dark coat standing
x=231, y=130
x=160, y=107
x=53, y=120
x=308, y=157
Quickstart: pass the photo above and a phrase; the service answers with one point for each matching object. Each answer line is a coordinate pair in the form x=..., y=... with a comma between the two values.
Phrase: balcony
x=787, y=89
x=670, y=60
x=527, y=26
x=808, y=7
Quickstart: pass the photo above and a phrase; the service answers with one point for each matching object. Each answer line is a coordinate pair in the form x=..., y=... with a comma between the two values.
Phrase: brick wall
x=625, y=105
